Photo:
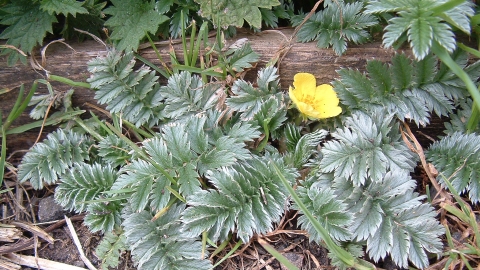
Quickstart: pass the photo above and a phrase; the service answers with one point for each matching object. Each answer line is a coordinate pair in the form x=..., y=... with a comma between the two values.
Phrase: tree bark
x=72, y=64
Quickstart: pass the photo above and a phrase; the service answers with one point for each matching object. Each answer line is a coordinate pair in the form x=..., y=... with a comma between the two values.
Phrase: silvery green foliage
x=45, y=162
x=457, y=158
x=409, y=89
x=134, y=94
x=182, y=152
x=366, y=148
x=248, y=99
x=110, y=249
x=186, y=95
x=421, y=25
x=84, y=182
x=361, y=192
x=114, y=150
x=161, y=243
x=248, y=197
x=387, y=215
x=301, y=148
x=338, y=24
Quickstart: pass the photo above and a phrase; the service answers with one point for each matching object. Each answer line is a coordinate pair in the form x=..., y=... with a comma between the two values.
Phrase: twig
x=42, y=263
x=78, y=244
x=419, y=150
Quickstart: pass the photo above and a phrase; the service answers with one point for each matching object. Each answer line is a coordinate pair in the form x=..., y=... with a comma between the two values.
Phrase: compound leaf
x=64, y=7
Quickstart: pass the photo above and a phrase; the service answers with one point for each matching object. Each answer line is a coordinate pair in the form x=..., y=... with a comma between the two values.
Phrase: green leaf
x=64, y=7
x=163, y=6
x=336, y=25
x=242, y=58
x=48, y=160
x=83, y=183
x=366, y=148
x=135, y=94
x=248, y=198
x=131, y=20
x=331, y=213
x=248, y=99
x=141, y=176
x=460, y=152
x=27, y=26
x=161, y=244
x=185, y=95
x=114, y=150
x=104, y=217
x=224, y=13
x=420, y=36
x=110, y=248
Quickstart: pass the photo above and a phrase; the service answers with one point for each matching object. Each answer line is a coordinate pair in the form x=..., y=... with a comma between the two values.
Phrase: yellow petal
x=326, y=101
x=305, y=84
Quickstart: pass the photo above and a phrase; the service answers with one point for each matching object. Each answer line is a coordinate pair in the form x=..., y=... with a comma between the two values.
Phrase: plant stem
x=69, y=82
x=472, y=89
x=338, y=251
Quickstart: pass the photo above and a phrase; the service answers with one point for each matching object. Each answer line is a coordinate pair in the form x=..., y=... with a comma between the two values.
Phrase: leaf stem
x=338, y=251
x=472, y=89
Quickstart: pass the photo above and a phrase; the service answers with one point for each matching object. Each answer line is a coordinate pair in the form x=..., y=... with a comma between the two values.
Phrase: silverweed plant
x=194, y=162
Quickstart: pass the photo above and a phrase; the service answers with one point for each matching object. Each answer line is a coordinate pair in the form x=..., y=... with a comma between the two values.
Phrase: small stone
x=49, y=210
x=78, y=264
x=295, y=258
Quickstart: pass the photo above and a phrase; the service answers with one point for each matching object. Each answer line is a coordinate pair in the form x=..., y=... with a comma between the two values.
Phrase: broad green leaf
x=224, y=13
x=64, y=7
x=27, y=26
x=131, y=20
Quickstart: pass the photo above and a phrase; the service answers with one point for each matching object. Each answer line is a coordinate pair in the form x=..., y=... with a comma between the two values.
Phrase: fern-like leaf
x=135, y=94
x=161, y=244
x=336, y=25
x=388, y=215
x=331, y=213
x=241, y=58
x=249, y=99
x=248, y=200
x=457, y=158
x=409, y=89
x=110, y=249
x=48, y=160
x=114, y=150
x=84, y=183
x=185, y=95
x=422, y=26
x=104, y=216
x=365, y=149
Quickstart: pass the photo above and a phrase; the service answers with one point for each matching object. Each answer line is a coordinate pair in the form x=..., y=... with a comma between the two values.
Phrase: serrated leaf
x=131, y=20
x=458, y=152
x=224, y=13
x=64, y=7
x=104, y=217
x=242, y=58
x=459, y=16
x=110, y=249
x=84, y=183
x=420, y=36
x=48, y=160
x=27, y=24
x=161, y=244
x=247, y=196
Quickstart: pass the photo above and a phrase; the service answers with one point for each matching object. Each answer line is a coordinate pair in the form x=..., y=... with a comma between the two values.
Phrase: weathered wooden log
x=72, y=64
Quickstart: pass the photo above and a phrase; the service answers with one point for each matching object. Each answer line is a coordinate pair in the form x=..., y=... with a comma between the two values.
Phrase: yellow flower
x=314, y=102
